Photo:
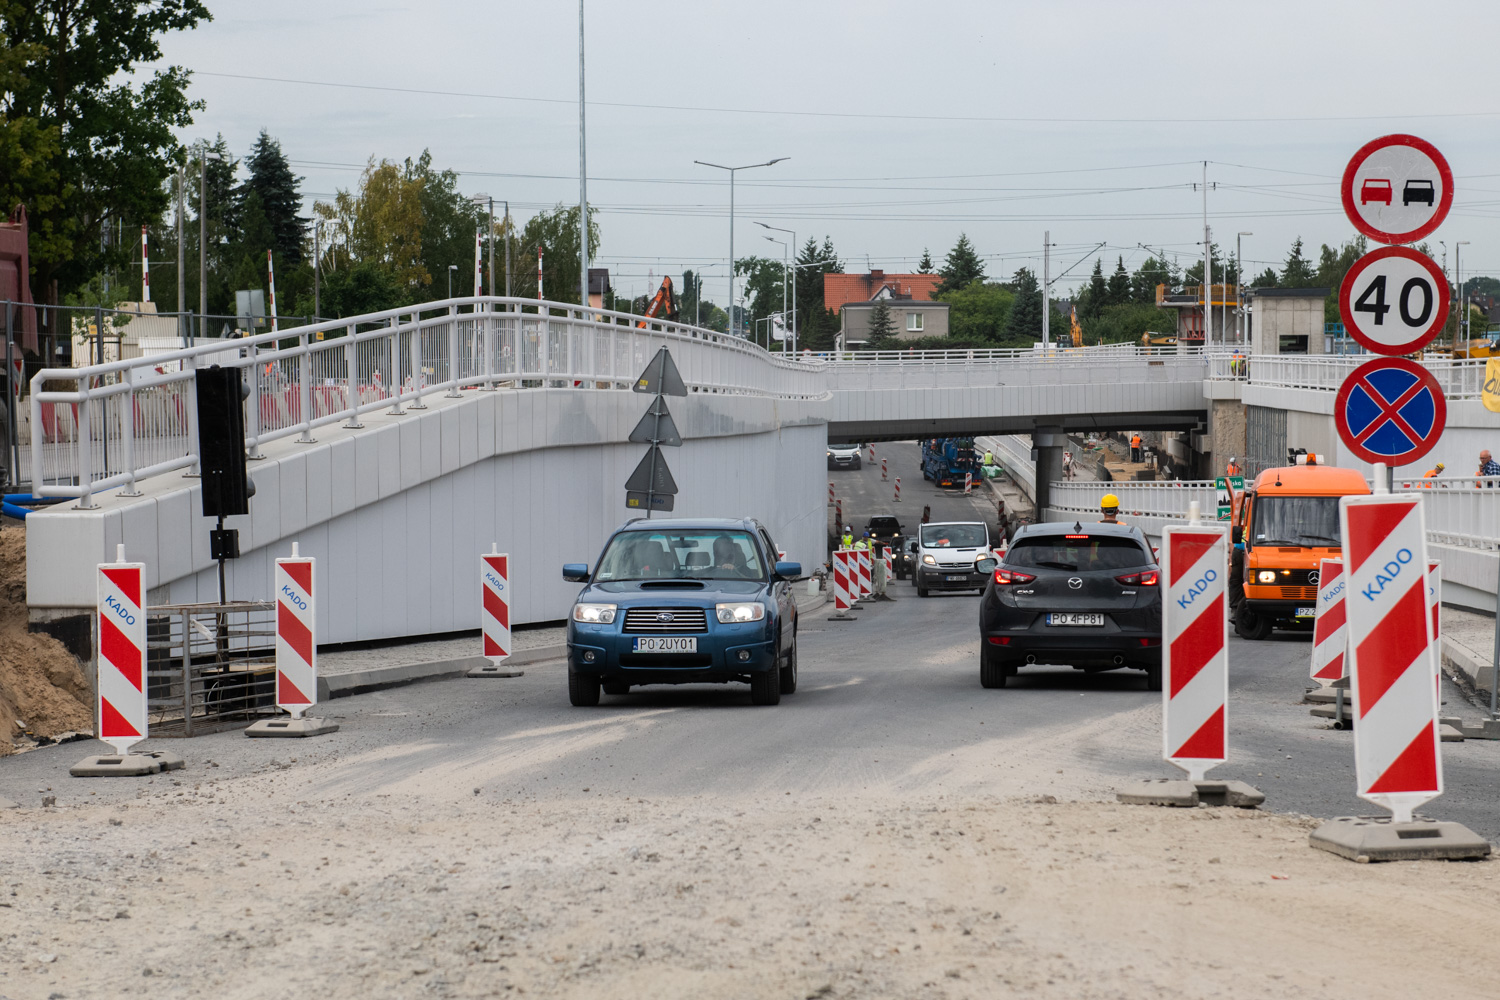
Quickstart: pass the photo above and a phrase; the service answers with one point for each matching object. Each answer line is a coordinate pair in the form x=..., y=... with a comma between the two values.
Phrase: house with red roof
x=914, y=313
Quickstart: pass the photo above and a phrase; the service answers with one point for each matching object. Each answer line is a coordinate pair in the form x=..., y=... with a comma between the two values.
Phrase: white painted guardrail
x=110, y=425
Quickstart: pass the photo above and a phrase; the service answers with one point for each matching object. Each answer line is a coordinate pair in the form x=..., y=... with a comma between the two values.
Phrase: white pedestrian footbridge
x=396, y=446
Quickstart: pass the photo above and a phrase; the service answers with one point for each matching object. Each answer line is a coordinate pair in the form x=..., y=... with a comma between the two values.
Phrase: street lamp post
x=1458, y=279
x=204, y=155
x=1239, y=287
x=732, y=170
x=783, y=292
x=451, y=269
x=794, y=281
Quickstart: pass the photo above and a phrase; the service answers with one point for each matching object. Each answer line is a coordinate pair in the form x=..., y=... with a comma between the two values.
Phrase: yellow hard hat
x=1440, y=465
x=1110, y=500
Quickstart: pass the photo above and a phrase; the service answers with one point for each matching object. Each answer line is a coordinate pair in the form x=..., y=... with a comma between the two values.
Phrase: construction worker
x=1233, y=468
x=1109, y=506
x=989, y=458
x=863, y=543
x=847, y=542
x=1135, y=447
x=1432, y=473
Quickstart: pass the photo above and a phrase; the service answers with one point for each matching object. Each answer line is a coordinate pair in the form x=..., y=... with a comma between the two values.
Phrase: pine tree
x=1298, y=272
x=1095, y=295
x=272, y=179
x=1024, y=325
x=925, y=267
x=962, y=268
x=1119, y=284
x=882, y=327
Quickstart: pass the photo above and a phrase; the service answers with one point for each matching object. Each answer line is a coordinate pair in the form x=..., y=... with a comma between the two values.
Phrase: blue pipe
x=11, y=505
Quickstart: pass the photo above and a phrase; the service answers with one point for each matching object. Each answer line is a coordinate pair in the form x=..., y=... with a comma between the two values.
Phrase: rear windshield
x=954, y=536
x=1302, y=521
x=693, y=555
x=1077, y=555
x=885, y=525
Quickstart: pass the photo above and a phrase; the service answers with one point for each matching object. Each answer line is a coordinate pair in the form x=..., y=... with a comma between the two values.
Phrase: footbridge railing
x=112, y=425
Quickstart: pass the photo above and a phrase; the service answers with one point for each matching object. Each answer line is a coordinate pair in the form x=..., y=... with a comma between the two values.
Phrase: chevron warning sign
x=296, y=636
x=121, y=637
x=494, y=589
x=1195, y=647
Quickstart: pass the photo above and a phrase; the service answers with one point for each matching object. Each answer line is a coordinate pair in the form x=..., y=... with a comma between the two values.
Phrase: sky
x=903, y=124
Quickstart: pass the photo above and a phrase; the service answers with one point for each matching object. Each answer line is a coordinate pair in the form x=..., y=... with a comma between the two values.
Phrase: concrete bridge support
x=1048, y=443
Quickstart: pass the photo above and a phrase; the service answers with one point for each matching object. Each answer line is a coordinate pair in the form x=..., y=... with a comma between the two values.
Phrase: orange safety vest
x=1135, y=441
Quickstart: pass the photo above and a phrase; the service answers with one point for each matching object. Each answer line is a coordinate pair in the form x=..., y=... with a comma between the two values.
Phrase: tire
x=765, y=687
x=1249, y=625
x=992, y=673
x=788, y=683
x=583, y=689
x=923, y=591
x=1153, y=678
x=616, y=687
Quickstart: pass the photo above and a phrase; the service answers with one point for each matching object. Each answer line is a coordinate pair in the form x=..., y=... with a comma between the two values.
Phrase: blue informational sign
x=1390, y=410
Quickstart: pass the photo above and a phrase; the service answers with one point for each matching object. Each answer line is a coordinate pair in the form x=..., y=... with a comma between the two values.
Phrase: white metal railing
x=1166, y=499
x=960, y=369
x=1459, y=379
x=973, y=355
x=114, y=424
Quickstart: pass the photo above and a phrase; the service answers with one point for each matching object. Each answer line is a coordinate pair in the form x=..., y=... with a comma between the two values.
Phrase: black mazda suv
x=1081, y=595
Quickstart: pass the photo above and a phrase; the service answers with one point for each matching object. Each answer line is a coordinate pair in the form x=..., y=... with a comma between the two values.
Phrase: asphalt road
x=890, y=703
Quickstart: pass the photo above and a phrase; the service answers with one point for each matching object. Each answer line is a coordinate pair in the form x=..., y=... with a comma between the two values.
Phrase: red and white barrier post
x=831, y=495
x=1398, y=760
x=120, y=639
x=866, y=573
x=1329, y=632
x=1194, y=672
x=898, y=489
x=872, y=453
x=968, y=483
x=1435, y=604
x=296, y=651
x=842, y=589
x=494, y=614
x=882, y=470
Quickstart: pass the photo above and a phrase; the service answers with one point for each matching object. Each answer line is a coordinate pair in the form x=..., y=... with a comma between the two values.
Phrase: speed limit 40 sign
x=1394, y=300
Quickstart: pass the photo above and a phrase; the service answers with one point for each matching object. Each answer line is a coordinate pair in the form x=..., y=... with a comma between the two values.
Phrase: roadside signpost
x=1226, y=487
x=1397, y=756
x=1390, y=410
x=1397, y=189
x=296, y=652
x=494, y=614
x=1394, y=300
x=1329, y=632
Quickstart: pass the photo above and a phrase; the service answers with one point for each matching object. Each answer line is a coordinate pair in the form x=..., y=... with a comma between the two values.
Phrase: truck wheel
x=583, y=689
x=1249, y=625
x=1153, y=678
x=992, y=674
x=765, y=687
x=789, y=669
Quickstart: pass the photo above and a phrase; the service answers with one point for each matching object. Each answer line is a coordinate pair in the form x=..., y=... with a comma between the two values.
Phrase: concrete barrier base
x=1186, y=794
x=129, y=765
x=841, y=618
x=8, y=804
x=1320, y=696
x=1365, y=838
x=1450, y=730
x=495, y=670
x=1488, y=729
x=1229, y=793
x=166, y=759
x=291, y=728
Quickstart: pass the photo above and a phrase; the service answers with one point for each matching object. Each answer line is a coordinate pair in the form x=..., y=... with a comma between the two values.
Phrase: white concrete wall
x=397, y=514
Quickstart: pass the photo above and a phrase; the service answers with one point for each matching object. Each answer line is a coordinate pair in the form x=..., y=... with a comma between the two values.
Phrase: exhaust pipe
x=1119, y=659
x=1030, y=658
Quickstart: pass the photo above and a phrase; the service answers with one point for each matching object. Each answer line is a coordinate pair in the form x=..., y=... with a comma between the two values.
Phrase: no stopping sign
x=1394, y=300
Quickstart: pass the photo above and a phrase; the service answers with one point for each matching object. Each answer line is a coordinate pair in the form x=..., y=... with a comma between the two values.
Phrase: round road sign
x=1397, y=189
x=1390, y=410
x=1394, y=300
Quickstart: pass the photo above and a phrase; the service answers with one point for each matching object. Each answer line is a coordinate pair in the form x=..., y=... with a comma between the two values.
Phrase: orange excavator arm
x=663, y=305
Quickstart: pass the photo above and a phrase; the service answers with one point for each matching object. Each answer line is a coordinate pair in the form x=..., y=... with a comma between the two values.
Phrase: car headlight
x=594, y=614
x=928, y=560
x=1266, y=576
x=733, y=613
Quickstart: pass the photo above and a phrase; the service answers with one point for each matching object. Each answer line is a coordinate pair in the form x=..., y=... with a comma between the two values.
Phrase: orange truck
x=1282, y=526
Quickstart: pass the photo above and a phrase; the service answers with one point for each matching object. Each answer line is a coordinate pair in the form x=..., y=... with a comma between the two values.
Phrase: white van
x=946, y=554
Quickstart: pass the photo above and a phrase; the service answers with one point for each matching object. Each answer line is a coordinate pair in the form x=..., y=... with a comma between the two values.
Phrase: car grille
x=651, y=620
x=1298, y=593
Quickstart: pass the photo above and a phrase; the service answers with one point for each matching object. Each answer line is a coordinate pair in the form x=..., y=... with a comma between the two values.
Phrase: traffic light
x=221, y=442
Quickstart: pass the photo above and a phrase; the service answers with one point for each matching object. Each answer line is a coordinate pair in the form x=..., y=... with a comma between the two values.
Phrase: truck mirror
x=1237, y=534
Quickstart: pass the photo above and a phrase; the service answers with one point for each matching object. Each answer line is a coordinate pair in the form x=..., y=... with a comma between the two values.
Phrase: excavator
x=1074, y=330
x=663, y=305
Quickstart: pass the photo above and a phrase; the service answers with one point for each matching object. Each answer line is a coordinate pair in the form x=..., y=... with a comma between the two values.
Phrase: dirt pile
x=42, y=686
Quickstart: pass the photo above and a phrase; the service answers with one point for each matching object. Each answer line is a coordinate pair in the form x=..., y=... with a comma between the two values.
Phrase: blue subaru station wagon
x=684, y=601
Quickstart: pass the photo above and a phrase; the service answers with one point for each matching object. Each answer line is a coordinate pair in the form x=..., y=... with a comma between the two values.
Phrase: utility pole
x=1208, y=273
x=1459, y=330
x=1239, y=287
x=203, y=157
x=317, y=265
x=583, y=187
x=1046, y=289
x=182, y=328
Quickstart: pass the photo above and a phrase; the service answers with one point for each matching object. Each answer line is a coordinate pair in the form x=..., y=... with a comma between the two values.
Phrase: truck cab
x=1284, y=524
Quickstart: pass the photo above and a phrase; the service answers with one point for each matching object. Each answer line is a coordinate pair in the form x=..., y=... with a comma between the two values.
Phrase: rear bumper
x=1134, y=649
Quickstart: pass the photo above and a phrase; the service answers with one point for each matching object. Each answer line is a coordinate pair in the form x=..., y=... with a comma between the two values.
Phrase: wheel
x=1153, y=678
x=922, y=591
x=583, y=689
x=616, y=687
x=789, y=670
x=765, y=687
x=992, y=673
x=1249, y=625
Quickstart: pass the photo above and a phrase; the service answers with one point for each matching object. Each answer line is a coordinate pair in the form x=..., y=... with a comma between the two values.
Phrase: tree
x=882, y=327
x=102, y=137
x=1095, y=295
x=1119, y=284
x=380, y=225
x=925, y=266
x=978, y=312
x=1332, y=266
x=1266, y=279
x=556, y=232
x=271, y=177
x=1297, y=272
x=449, y=222
x=1024, y=324
x=963, y=266
x=1152, y=272
x=762, y=286
x=817, y=326
x=1125, y=323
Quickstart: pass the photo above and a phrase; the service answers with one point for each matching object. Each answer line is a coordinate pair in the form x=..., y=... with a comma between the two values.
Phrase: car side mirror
x=788, y=570
x=986, y=565
x=1237, y=534
x=576, y=572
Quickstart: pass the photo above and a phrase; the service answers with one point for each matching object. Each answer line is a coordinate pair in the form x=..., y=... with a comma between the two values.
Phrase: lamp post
x=732, y=170
x=481, y=201
x=1239, y=288
x=783, y=294
x=204, y=155
x=451, y=269
x=794, y=282
x=1458, y=279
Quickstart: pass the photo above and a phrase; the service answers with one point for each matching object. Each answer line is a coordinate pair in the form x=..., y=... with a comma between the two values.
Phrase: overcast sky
x=904, y=123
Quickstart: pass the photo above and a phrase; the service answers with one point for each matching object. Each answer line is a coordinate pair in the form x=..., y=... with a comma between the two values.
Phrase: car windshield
x=700, y=554
x=884, y=526
x=1302, y=521
x=1077, y=553
x=954, y=536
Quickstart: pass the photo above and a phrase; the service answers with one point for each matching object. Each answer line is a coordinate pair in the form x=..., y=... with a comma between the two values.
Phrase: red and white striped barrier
x=838, y=510
x=1398, y=763
x=296, y=635
x=831, y=496
x=898, y=489
x=890, y=565
x=842, y=599
x=1195, y=646
x=1435, y=603
x=122, y=653
x=1329, y=632
x=872, y=453
x=866, y=570
x=882, y=470
x=494, y=582
x=968, y=483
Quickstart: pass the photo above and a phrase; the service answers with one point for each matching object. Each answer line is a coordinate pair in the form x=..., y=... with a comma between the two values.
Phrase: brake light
x=1145, y=578
x=1009, y=576
x=1076, y=536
